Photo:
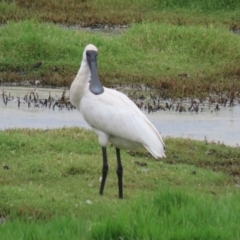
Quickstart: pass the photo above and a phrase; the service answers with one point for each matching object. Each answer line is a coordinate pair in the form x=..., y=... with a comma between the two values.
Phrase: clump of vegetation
x=171, y=214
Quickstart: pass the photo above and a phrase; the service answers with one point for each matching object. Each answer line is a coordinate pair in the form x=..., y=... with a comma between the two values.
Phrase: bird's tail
x=154, y=143
x=157, y=151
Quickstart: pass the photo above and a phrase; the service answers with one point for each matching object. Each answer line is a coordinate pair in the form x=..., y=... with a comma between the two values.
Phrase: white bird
x=112, y=116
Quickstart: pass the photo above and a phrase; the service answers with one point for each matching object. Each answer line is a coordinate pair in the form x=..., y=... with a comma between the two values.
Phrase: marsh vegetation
x=184, y=48
x=185, y=61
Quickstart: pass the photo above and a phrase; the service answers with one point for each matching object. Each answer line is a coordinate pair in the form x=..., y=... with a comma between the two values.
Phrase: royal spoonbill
x=112, y=116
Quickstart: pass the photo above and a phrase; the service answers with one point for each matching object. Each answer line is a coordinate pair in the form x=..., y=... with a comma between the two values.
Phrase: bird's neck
x=80, y=84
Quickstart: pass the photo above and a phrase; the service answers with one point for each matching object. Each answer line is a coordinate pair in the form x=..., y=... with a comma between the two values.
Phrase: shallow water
x=222, y=126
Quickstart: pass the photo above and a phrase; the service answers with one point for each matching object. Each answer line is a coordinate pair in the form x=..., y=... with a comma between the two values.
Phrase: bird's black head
x=95, y=85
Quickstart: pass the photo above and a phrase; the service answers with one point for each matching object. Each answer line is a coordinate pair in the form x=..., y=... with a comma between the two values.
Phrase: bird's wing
x=116, y=115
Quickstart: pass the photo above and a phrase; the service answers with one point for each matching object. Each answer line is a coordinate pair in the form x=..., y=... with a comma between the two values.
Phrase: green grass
x=148, y=53
x=68, y=227
x=172, y=214
x=169, y=214
x=47, y=178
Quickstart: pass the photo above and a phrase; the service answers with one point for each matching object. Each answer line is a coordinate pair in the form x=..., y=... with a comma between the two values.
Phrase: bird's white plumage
x=113, y=116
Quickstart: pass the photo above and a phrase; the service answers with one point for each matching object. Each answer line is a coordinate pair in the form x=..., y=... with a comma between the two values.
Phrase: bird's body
x=118, y=120
x=112, y=115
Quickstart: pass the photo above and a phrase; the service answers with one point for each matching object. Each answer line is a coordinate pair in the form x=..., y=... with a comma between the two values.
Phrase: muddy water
x=222, y=126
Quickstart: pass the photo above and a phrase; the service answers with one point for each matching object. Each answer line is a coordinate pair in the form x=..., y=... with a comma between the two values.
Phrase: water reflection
x=222, y=126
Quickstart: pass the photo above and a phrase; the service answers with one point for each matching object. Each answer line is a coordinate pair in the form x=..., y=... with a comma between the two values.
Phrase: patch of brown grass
x=90, y=13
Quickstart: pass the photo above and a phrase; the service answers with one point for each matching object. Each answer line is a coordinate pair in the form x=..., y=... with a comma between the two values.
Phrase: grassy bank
x=160, y=56
x=49, y=183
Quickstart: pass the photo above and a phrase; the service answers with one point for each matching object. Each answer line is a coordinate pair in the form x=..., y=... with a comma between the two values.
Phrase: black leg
x=104, y=169
x=119, y=173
